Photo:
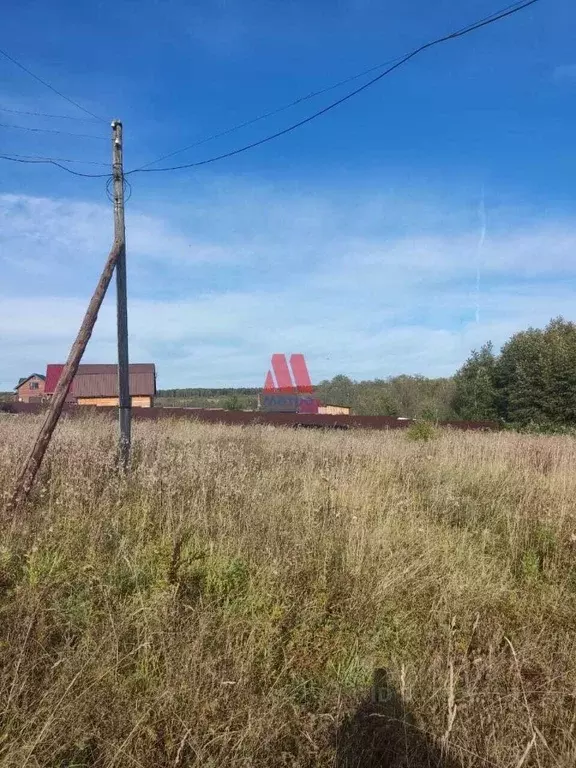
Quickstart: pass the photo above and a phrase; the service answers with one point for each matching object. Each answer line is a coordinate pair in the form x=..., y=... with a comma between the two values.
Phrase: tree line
x=413, y=397
x=530, y=382
x=409, y=396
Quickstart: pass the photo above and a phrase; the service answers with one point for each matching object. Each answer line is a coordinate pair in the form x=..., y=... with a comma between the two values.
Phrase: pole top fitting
x=115, y=123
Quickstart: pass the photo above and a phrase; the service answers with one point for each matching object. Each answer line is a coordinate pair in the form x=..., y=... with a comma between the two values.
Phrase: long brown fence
x=319, y=421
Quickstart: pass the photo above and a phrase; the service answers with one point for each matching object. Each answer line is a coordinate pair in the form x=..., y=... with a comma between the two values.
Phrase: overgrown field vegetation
x=261, y=597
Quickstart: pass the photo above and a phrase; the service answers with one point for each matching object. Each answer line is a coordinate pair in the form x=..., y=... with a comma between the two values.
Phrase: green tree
x=372, y=398
x=522, y=376
x=338, y=391
x=532, y=381
x=475, y=394
x=560, y=350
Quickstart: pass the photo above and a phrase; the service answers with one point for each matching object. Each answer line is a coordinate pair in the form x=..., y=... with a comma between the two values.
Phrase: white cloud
x=354, y=290
x=37, y=232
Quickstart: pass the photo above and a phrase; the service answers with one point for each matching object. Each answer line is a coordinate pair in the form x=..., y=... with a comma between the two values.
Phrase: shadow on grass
x=383, y=734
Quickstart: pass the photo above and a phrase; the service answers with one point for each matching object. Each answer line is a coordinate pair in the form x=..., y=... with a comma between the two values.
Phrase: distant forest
x=530, y=382
x=410, y=396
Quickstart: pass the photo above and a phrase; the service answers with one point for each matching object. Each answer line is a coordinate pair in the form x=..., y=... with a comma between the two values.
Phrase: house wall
x=334, y=410
x=27, y=390
x=138, y=401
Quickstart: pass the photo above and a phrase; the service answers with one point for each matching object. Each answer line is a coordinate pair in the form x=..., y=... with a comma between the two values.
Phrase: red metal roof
x=53, y=373
x=102, y=380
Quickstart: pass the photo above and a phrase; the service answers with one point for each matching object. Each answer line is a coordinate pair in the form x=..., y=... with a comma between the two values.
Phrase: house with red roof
x=98, y=384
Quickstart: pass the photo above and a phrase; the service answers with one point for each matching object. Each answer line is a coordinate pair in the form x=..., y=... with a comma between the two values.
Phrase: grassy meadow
x=268, y=597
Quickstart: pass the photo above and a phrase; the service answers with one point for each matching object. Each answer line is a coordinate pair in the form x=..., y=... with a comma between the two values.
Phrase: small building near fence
x=31, y=388
x=335, y=410
x=98, y=384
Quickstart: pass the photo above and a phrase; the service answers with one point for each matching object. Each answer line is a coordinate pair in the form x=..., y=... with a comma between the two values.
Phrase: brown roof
x=27, y=378
x=102, y=380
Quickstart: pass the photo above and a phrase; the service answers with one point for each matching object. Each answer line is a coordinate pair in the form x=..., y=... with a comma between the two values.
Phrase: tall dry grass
x=263, y=597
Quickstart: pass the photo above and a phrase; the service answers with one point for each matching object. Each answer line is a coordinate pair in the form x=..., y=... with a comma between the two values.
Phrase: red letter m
x=279, y=379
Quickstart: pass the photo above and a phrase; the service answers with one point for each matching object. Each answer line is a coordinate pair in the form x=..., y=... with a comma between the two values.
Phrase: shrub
x=421, y=431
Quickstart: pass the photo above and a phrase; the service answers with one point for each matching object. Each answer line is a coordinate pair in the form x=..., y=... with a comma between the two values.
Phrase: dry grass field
x=261, y=597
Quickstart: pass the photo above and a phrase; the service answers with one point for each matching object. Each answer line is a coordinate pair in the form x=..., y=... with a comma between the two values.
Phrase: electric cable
x=46, y=114
x=50, y=161
x=52, y=130
x=59, y=159
x=485, y=21
x=51, y=87
x=395, y=64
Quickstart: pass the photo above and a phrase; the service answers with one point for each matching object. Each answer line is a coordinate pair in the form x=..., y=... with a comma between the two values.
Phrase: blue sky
x=356, y=240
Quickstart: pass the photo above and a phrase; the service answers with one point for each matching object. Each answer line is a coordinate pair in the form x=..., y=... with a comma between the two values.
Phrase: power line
x=50, y=161
x=395, y=64
x=51, y=87
x=300, y=100
x=59, y=159
x=265, y=115
x=52, y=130
x=497, y=16
x=45, y=114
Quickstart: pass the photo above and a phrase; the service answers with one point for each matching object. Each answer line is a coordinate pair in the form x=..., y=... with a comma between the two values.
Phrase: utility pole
x=116, y=261
x=124, y=400
x=34, y=460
